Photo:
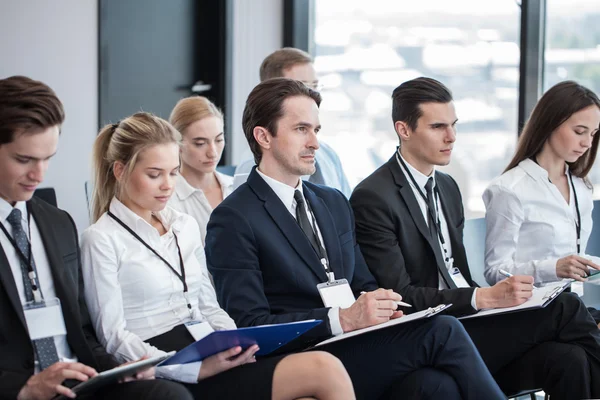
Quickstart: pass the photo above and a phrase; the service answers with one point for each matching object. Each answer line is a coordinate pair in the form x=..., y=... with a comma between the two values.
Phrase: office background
x=496, y=56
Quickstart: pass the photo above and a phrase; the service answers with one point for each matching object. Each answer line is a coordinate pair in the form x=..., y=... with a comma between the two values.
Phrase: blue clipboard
x=268, y=337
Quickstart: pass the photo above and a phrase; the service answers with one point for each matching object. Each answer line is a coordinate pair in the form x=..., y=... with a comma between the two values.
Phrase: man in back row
x=274, y=241
x=40, y=268
x=409, y=225
x=297, y=64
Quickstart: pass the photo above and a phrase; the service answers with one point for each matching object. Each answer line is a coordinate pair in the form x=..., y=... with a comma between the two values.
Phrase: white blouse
x=132, y=295
x=530, y=226
x=190, y=200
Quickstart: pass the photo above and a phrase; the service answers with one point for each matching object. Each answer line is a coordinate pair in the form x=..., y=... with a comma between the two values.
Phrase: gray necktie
x=317, y=177
x=45, y=348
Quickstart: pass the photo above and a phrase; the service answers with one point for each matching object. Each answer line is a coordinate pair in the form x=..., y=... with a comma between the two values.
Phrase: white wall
x=257, y=32
x=56, y=42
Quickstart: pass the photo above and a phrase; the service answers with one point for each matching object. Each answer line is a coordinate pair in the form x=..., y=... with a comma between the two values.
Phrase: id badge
x=44, y=319
x=458, y=278
x=198, y=329
x=336, y=293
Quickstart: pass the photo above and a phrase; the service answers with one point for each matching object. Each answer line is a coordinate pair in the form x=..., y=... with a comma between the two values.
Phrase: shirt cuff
x=334, y=321
x=474, y=300
x=186, y=373
x=545, y=271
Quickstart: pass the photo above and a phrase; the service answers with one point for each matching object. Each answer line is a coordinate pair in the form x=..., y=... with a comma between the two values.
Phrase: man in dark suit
x=409, y=225
x=272, y=241
x=40, y=267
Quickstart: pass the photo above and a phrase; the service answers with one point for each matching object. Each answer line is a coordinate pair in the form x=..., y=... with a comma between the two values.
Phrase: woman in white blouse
x=200, y=187
x=145, y=277
x=539, y=211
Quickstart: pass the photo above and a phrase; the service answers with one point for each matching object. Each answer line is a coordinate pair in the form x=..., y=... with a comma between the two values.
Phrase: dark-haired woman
x=539, y=211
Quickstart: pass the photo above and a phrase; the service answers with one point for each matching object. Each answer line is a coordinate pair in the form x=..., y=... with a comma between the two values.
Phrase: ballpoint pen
x=504, y=273
x=400, y=303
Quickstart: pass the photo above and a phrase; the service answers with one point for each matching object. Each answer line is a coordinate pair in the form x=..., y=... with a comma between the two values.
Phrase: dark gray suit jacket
x=60, y=240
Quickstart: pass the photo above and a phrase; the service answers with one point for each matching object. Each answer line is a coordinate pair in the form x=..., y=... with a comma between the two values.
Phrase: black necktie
x=45, y=348
x=317, y=177
x=433, y=227
x=302, y=219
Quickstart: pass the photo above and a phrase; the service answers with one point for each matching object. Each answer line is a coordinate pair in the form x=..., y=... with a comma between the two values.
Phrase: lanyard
x=578, y=221
x=168, y=264
x=31, y=273
x=321, y=249
x=434, y=214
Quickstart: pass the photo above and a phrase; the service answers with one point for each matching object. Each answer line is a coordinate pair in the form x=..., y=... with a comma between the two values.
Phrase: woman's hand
x=225, y=360
x=574, y=267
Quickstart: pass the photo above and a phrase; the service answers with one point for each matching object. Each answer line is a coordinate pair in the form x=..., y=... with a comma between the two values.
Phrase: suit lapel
x=8, y=281
x=326, y=224
x=407, y=194
x=286, y=224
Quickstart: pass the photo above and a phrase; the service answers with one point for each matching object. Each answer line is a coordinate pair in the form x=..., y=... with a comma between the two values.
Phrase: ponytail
x=105, y=183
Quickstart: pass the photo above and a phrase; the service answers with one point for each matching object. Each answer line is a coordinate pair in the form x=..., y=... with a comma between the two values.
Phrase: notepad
x=268, y=338
x=402, y=320
x=541, y=297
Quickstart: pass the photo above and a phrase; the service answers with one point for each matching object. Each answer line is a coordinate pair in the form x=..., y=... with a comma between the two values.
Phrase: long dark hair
x=555, y=107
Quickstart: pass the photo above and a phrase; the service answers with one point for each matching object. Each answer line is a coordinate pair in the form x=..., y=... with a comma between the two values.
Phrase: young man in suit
x=40, y=267
x=273, y=240
x=409, y=225
x=297, y=64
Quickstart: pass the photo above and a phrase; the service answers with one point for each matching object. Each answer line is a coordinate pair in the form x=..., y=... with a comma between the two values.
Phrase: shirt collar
x=420, y=178
x=169, y=217
x=283, y=191
x=536, y=171
x=6, y=209
x=183, y=189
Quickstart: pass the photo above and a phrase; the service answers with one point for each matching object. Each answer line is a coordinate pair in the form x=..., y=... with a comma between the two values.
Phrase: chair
x=226, y=169
x=593, y=245
x=89, y=188
x=474, y=241
x=46, y=194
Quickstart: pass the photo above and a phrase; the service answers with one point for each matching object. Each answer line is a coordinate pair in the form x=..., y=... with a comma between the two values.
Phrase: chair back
x=46, y=194
x=593, y=245
x=474, y=241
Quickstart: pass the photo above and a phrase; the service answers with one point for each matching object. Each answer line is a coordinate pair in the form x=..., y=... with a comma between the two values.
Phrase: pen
x=400, y=303
x=504, y=273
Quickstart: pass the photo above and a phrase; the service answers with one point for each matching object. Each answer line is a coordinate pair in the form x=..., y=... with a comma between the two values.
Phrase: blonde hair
x=192, y=109
x=123, y=142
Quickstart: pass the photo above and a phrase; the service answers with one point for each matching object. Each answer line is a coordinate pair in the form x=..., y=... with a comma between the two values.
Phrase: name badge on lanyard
x=44, y=319
x=458, y=278
x=336, y=294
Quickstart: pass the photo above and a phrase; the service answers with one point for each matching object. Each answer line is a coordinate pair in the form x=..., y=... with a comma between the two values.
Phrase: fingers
x=523, y=279
x=386, y=305
x=386, y=294
x=84, y=369
x=397, y=314
x=65, y=391
x=72, y=374
x=227, y=354
x=245, y=357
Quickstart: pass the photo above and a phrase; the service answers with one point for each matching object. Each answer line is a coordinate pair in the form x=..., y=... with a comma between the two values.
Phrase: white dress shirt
x=132, y=295
x=286, y=195
x=421, y=180
x=190, y=200
x=42, y=265
x=530, y=226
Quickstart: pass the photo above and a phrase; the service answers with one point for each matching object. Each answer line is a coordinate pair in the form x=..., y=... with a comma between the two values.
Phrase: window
x=573, y=50
x=364, y=49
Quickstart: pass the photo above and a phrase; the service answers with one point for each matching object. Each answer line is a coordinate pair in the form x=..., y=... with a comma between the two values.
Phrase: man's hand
x=225, y=360
x=574, y=267
x=509, y=292
x=370, y=309
x=48, y=383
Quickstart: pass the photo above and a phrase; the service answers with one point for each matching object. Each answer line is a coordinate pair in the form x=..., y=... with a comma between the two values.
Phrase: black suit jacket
x=264, y=268
x=395, y=240
x=60, y=240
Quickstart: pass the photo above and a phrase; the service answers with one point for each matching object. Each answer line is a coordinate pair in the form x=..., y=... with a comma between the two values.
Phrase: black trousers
x=156, y=389
x=556, y=348
x=427, y=359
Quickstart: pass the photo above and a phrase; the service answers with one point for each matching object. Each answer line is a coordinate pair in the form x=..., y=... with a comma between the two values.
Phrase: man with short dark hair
x=409, y=225
x=40, y=271
x=292, y=63
x=274, y=241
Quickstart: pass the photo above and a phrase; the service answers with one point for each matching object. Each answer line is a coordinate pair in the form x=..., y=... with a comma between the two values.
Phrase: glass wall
x=573, y=50
x=364, y=49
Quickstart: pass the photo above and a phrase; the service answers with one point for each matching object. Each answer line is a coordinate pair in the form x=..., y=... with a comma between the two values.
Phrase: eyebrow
x=34, y=158
x=308, y=125
x=161, y=169
x=443, y=123
x=197, y=139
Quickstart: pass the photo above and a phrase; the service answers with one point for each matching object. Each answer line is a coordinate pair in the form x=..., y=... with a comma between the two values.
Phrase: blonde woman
x=199, y=188
x=145, y=277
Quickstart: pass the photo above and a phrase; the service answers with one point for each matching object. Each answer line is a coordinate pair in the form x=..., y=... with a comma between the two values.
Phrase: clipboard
x=542, y=296
x=430, y=312
x=268, y=337
x=114, y=375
